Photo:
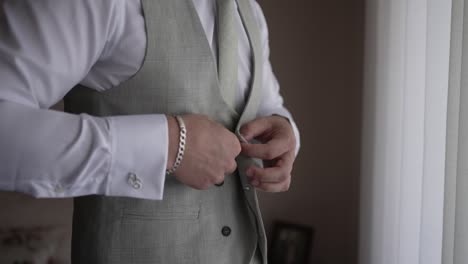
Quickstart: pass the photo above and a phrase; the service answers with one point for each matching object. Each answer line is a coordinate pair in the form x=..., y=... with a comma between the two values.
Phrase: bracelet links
x=182, y=143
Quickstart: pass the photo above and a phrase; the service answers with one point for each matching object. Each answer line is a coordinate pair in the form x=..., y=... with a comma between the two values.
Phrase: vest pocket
x=180, y=213
x=175, y=228
x=180, y=203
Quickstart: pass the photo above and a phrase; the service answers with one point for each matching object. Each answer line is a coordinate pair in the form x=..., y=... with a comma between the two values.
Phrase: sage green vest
x=178, y=76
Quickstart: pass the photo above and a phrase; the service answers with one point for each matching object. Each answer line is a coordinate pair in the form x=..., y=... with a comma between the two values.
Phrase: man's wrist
x=293, y=129
x=282, y=118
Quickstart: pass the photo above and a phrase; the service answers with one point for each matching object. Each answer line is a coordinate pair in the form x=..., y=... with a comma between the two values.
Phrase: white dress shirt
x=46, y=48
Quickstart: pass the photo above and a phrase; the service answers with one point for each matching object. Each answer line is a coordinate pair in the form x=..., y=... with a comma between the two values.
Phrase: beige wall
x=317, y=50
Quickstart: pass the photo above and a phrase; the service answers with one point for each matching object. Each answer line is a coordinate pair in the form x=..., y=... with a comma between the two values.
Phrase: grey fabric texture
x=179, y=76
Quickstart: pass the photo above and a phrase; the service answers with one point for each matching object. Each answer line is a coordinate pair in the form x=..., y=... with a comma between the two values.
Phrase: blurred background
x=317, y=55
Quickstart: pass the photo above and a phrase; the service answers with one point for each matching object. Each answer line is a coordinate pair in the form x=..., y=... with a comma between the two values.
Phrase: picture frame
x=291, y=243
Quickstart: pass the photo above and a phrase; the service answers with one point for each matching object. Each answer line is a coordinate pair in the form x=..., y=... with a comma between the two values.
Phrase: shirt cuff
x=285, y=113
x=139, y=156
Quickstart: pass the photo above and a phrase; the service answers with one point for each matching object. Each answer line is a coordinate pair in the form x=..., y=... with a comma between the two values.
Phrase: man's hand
x=277, y=149
x=210, y=151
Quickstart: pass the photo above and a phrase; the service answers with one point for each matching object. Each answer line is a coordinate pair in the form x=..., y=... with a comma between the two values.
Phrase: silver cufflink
x=58, y=188
x=134, y=181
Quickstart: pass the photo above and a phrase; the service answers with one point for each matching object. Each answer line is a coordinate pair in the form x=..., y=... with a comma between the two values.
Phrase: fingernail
x=255, y=183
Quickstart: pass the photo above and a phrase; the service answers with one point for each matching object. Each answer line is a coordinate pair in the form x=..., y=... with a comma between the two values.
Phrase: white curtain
x=407, y=76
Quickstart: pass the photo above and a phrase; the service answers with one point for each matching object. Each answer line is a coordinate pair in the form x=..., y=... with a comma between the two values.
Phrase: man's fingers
x=255, y=128
x=268, y=151
x=268, y=175
x=278, y=149
x=275, y=187
x=232, y=166
x=273, y=179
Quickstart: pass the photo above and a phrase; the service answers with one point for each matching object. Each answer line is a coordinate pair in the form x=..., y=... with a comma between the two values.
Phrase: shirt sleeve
x=272, y=101
x=46, y=48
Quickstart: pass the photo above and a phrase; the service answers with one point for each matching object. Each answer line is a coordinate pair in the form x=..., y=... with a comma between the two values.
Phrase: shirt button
x=226, y=231
x=247, y=188
x=220, y=184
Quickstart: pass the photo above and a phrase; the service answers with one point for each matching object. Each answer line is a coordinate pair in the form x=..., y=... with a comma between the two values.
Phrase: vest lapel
x=253, y=33
x=250, y=113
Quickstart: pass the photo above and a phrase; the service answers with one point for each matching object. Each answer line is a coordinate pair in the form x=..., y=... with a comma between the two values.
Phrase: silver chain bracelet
x=182, y=142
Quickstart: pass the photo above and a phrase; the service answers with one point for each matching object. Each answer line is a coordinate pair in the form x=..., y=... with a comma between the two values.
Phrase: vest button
x=226, y=231
x=220, y=184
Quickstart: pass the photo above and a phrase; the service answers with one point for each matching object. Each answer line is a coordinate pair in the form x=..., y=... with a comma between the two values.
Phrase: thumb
x=255, y=128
